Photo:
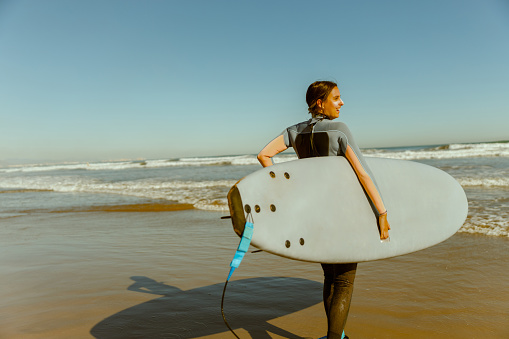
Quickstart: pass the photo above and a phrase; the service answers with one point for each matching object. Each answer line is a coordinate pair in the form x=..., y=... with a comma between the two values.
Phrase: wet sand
x=160, y=275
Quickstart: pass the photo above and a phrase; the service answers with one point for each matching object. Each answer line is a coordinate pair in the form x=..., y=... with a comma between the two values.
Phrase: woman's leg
x=337, y=294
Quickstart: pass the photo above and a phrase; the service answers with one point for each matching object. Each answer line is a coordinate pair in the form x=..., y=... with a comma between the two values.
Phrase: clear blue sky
x=99, y=80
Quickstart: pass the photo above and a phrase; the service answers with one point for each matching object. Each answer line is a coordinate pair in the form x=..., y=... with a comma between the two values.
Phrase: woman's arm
x=274, y=147
x=371, y=190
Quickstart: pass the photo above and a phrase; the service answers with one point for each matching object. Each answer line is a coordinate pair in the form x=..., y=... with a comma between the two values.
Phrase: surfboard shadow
x=248, y=304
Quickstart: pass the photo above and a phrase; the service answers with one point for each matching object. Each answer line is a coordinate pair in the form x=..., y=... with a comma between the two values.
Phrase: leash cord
x=222, y=311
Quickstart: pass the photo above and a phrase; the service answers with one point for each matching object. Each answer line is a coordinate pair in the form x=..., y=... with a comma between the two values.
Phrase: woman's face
x=332, y=104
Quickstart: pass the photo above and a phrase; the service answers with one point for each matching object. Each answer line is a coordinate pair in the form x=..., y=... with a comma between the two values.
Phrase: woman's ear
x=319, y=103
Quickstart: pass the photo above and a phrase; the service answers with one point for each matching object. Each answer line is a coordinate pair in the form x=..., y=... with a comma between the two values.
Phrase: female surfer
x=321, y=136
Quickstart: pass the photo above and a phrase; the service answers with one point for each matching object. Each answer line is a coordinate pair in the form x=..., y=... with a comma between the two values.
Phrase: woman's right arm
x=371, y=190
x=274, y=147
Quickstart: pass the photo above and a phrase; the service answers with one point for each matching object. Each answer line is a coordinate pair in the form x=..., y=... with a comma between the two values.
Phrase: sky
x=123, y=79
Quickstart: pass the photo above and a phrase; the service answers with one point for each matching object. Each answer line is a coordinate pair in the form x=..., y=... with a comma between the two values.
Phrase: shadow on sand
x=249, y=304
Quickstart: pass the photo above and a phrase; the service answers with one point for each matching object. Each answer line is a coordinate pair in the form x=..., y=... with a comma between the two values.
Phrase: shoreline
x=131, y=208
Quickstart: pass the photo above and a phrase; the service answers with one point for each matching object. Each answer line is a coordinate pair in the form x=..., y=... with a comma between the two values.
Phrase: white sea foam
x=208, y=195
x=242, y=160
x=493, y=182
x=494, y=225
x=452, y=151
x=211, y=195
x=70, y=167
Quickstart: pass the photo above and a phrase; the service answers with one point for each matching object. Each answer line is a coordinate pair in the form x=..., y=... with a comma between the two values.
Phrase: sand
x=99, y=274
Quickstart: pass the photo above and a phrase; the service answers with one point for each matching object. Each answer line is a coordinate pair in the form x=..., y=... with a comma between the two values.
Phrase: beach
x=161, y=275
x=131, y=249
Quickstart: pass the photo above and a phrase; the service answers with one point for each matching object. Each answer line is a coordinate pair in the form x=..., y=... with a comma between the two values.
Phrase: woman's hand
x=384, y=226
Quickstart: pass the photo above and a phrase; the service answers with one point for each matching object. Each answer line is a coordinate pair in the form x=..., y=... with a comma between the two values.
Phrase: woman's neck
x=319, y=116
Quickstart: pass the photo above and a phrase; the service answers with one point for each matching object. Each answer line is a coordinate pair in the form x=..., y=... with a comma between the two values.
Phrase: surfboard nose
x=236, y=210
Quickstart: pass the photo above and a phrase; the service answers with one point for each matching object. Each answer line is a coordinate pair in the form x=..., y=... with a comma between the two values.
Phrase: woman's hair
x=318, y=90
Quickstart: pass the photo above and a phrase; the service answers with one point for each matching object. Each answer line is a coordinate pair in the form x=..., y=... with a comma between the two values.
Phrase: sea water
x=203, y=182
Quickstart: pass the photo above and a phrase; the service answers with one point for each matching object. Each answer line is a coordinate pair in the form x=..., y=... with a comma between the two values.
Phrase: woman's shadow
x=248, y=304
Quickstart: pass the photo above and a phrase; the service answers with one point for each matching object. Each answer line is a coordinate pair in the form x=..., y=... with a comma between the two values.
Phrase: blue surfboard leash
x=243, y=247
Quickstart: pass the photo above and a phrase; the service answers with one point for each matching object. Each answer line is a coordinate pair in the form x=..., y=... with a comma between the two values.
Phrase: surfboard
x=316, y=210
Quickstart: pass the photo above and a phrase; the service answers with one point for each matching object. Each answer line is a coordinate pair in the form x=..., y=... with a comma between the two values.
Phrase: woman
x=321, y=136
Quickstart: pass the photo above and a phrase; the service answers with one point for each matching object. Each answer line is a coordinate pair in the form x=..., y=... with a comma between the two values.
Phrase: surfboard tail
x=236, y=210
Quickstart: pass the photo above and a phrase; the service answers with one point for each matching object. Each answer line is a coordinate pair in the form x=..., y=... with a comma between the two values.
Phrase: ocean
x=202, y=183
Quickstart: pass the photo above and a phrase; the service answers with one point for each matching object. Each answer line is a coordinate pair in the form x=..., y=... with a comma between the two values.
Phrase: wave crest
x=451, y=151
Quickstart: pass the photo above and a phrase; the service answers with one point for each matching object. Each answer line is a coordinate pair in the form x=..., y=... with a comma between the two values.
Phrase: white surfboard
x=316, y=210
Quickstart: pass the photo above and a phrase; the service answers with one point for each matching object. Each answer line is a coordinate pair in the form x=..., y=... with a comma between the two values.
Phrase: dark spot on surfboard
x=287, y=244
x=247, y=208
x=273, y=208
x=287, y=176
x=257, y=209
x=301, y=241
x=272, y=174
